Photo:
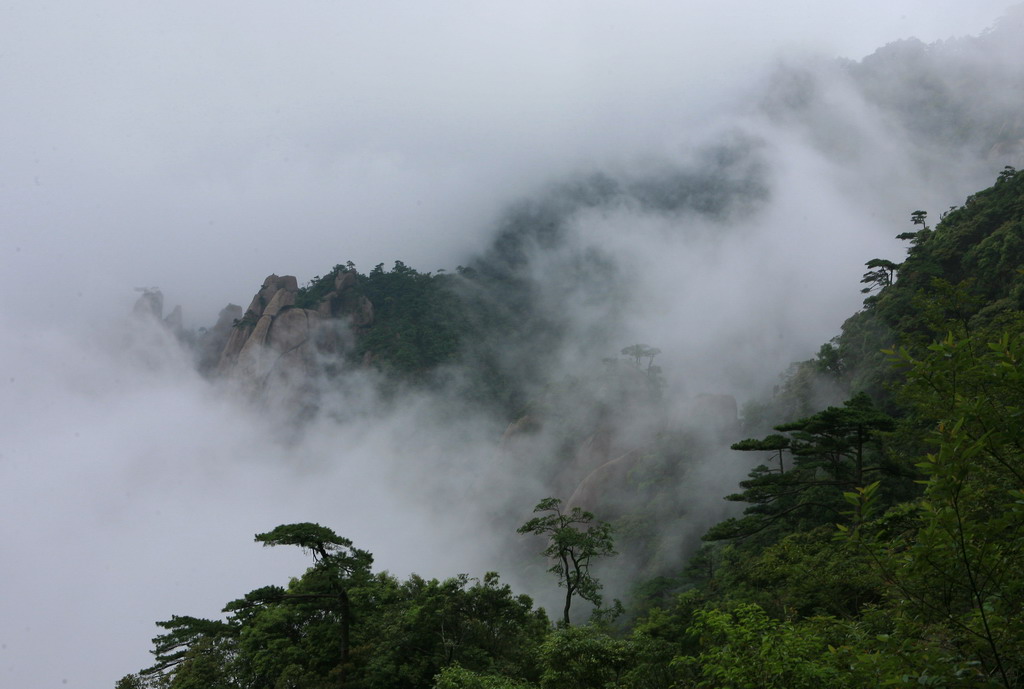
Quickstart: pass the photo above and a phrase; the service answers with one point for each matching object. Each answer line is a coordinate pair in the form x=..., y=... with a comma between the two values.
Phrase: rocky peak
x=211, y=344
x=253, y=328
x=276, y=348
x=150, y=306
x=345, y=301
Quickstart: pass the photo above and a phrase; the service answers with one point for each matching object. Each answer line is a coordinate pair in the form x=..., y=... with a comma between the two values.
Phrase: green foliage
x=419, y=320
x=313, y=538
x=926, y=591
x=774, y=443
x=574, y=539
x=207, y=665
x=457, y=677
x=309, y=297
x=131, y=681
x=881, y=273
x=582, y=658
x=421, y=626
x=966, y=269
x=340, y=625
x=248, y=320
x=804, y=574
x=839, y=440
x=747, y=648
x=833, y=450
x=963, y=569
x=183, y=633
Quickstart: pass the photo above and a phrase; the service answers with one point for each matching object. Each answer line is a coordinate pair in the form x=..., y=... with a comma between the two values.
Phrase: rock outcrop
x=345, y=301
x=150, y=306
x=276, y=348
x=151, y=339
x=211, y=344
x=522, y=426
x=594, y=491
x=175, y=322
x=596, y=449
x=275, y=293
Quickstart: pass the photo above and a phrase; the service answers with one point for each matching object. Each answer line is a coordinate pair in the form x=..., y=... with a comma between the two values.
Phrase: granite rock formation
x=276, y=349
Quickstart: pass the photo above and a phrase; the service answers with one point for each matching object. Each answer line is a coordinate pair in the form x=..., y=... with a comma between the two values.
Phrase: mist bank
x=851, y=513
x=735, y=247
x=734, y=257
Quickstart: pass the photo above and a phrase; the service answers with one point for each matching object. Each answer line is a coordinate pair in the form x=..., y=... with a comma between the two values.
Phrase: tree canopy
x=574, y=539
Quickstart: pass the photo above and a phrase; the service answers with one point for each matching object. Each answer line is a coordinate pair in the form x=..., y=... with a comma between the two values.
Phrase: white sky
x=199, y=147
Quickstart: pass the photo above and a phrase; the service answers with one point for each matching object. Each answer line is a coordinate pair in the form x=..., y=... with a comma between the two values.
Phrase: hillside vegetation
x=881, y=542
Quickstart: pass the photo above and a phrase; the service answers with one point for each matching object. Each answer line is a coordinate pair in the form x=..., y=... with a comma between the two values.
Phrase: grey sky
x=199, y=147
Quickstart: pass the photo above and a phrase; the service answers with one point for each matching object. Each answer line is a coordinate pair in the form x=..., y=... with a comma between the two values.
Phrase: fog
x=199, y=148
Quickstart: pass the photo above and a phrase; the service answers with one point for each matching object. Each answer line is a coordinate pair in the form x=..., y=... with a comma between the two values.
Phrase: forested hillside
x=857, y=525
x=880, y=542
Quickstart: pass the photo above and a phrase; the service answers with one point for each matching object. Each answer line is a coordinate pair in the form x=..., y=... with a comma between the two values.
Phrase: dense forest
x=880, y=541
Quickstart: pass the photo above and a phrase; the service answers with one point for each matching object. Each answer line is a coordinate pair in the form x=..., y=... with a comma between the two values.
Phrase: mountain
x=875, y=538
x=876, y=547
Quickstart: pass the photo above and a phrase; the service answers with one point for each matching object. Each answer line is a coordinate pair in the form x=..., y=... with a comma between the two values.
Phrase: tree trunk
x=568, y=600
x=345, y=622
x=568, y=589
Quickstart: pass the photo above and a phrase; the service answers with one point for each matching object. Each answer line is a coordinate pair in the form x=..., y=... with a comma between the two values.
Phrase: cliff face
x=150, y=307
x=244, y=355
x=276, y=349
x=211, y=345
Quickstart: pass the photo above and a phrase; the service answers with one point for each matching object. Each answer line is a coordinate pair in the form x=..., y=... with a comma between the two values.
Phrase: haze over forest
x=709, y=181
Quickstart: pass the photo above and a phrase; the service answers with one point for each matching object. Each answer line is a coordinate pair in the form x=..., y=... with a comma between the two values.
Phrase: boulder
x=594, y=492
x=344, y=301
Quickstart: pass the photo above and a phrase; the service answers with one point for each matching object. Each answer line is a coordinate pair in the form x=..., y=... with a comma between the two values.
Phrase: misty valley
x=877, y=540
x=650, y=432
